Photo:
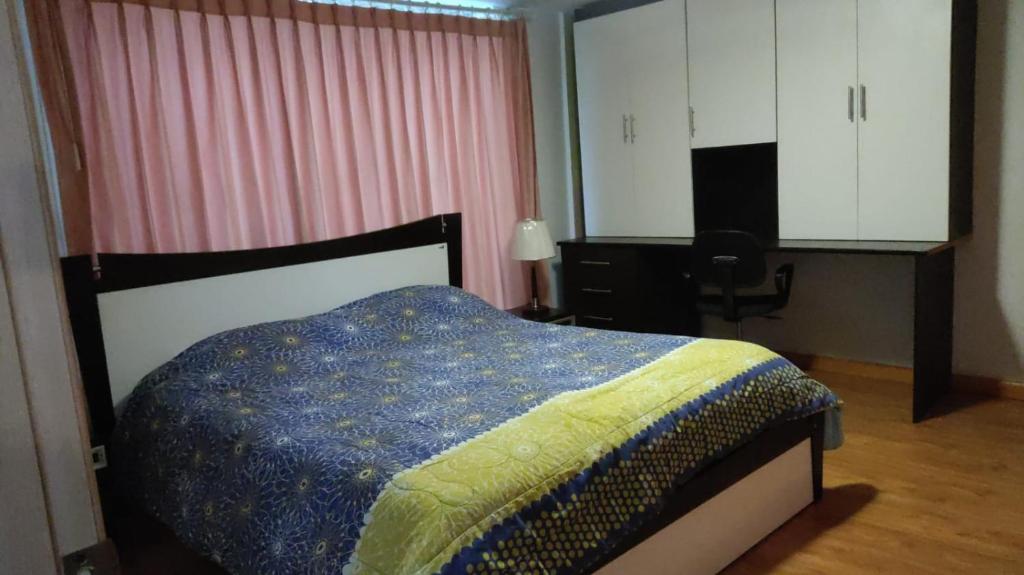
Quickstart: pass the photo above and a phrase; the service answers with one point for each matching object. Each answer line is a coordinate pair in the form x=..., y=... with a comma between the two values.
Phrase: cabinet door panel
x=904, y=67
x=731, y=50
x=609, y=204
x=658, y=94
x=817, y=75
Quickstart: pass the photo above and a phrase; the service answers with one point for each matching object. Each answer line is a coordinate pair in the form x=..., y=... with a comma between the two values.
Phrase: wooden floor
x=942, y=496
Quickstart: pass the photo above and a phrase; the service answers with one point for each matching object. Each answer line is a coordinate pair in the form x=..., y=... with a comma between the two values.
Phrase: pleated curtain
x=223, y=125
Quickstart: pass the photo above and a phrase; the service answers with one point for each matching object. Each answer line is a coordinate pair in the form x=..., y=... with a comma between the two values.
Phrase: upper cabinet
x=875, y=118
x=603, y=95
x=869, y=105
x=904, y=139
x=817, y=61
x=731, y=50
x=634, y=143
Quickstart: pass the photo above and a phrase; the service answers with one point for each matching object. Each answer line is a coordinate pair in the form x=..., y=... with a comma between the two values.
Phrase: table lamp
x=532, y=244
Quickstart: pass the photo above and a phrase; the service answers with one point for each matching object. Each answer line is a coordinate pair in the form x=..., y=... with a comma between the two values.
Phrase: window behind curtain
x=245, y=124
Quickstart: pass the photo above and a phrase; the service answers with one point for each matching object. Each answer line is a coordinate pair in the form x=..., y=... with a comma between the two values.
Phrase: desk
x=637, y=284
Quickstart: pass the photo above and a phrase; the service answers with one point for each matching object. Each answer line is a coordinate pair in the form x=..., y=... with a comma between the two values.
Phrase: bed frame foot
x=817, y=453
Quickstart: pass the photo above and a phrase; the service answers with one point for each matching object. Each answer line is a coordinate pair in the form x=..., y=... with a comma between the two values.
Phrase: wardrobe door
x=658, y=120
x=606, y=149
x=731, y=50
x=817, y=83
x=904, y=71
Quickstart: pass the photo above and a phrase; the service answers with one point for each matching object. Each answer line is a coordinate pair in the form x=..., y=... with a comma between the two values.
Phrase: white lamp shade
x=533, y=241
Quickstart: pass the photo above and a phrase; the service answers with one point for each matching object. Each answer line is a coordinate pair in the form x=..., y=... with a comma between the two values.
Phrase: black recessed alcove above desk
x=638, y=284
x=737, y=188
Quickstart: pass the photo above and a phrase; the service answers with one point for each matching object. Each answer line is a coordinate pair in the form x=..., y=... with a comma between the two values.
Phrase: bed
x=417, y=429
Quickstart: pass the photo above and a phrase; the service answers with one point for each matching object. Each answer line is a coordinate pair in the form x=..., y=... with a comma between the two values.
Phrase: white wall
x=858, y=307
x=990, y=267
x=861, y=307
x=547, y=69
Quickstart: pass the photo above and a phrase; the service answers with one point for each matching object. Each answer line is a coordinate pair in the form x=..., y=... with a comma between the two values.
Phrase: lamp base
x=535, y=309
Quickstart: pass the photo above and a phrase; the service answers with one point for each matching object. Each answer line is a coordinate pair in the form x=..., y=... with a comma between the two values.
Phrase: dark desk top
x=791, y=246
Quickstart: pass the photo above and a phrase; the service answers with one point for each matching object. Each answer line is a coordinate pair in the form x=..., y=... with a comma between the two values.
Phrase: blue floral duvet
x=423, y=431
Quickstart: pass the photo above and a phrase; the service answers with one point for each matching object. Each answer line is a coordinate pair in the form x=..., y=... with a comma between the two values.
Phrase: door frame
x=45, y=390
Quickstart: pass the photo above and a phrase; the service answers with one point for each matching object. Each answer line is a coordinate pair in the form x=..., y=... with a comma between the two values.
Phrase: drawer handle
x=599, y=318
x=594, y=263
x=595, y=290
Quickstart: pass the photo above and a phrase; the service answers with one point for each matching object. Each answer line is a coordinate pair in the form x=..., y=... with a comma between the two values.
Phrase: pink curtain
x=221, y=125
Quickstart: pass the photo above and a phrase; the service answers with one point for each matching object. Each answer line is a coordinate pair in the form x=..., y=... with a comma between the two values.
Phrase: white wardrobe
x=634, y=133
x=865, y=105
x=870, y=103
x=731, y=53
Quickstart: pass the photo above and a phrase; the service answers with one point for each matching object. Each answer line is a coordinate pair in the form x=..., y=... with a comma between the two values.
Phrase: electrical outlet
x=99, y=457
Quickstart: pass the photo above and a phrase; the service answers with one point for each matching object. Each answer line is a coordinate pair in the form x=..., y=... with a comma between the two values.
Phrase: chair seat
x=746, y=305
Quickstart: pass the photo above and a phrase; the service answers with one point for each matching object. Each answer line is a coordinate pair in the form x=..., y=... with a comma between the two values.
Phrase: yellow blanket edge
x=462, y=492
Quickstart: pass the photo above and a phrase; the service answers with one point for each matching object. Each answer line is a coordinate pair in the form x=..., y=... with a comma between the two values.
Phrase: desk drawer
x=596, y=280
x=629, y=287
x=600, y=258
x=599, y=301
x=601, y=285
x=601, y=321
x=600, y=269
x=604, y=308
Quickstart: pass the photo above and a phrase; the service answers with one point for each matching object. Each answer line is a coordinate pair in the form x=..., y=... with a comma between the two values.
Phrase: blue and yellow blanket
x=423, y=431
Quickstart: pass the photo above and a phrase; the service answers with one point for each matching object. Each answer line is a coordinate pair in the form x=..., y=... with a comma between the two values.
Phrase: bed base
x=715, y=513
x=710, y=520
x=723, y=511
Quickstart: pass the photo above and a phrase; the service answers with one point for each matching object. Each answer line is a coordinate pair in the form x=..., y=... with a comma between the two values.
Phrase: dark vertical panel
x=817, y=454
x=84, y=315
x=933, y=329
x=452, y=231
x=670, y=301
x=961, y=115
x=572, y=107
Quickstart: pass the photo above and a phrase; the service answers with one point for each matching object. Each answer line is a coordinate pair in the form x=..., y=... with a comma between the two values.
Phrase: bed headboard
x=141, y=310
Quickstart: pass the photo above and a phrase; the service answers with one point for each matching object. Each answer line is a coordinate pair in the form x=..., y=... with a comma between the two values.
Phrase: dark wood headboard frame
x=118, y=272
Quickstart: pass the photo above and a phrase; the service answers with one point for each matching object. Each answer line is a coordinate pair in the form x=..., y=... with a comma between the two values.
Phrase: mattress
x=423, y=431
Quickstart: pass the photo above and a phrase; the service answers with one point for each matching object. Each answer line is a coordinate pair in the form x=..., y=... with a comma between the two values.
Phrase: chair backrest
x=750, y=268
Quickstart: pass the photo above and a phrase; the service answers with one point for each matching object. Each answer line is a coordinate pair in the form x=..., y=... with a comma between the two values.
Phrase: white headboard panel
x=146, y=327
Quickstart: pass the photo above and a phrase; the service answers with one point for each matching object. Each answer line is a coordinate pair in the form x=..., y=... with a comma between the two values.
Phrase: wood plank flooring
x=943, y=496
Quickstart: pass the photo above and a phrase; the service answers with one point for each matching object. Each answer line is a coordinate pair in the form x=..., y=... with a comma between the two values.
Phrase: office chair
x=730, y=259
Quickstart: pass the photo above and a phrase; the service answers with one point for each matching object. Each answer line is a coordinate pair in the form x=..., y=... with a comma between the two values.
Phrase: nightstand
x=550, y=315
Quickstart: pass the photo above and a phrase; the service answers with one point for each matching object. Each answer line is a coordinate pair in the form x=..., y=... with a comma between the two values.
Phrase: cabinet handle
x=594, y=263
x=625, y=129
x=863, y=102
x=850, y=104
x=693, y=126
x=595, y=290
x=632, y=128
x=599, y=318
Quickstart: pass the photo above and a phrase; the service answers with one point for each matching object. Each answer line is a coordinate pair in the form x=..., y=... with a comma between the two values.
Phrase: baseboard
x=989, y=386
x=853, y=367
x=973, y=384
